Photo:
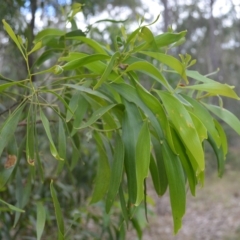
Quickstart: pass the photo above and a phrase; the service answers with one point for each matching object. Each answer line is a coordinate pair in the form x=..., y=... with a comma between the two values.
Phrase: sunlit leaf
x=12, y=36
x=150, y=70
x=184, y=126
x=226, y=116
x=170, y=61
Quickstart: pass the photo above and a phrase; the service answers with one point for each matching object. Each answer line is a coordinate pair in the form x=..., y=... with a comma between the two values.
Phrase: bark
x=165, y=14
x=212, y=50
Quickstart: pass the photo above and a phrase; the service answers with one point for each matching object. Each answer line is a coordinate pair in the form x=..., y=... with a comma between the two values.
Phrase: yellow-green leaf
x=184, y=126
x=12, y=36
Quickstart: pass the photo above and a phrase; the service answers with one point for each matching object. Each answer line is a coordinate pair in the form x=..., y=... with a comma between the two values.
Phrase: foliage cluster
x=94, y=94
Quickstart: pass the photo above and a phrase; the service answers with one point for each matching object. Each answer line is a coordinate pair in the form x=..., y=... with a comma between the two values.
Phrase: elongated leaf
x=199, y=126
x=187, y=166
x=36, y=47
x=62, y=140
x=23, y=192
x=12, y=36
x=150, y=70
x=161, y=170
x=176, y=185
x=49, y=32
x=90, y=42
x=107, y=71
x=223, y=137
x=163, y=40
x=155, y=106
x=123, y=204
x=89, y=91
x=58, y=211
x=9, y=126
x=205, y=117
x=103, y=172
x=49, y=135
x=226, y=116
x=219, y=154
x=184, y=126
x=97, y=114
x=142, y=160
x=148, y=36
x=41, y=218
x=131, y=125
x=155, y=176
x=30, y=143
x=7, y=85
x=215, y=89
x=116, y=173
x=76, y=63
x=170, y=61
x=11, y=207
x=73, y=104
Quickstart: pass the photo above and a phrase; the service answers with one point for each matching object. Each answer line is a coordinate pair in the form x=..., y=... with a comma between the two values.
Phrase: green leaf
x=155, y=106
x=184, y=126
x=170, y=61
x=107, y=71
x=98, y=114
x=73, y=104
x=205, y=117
x=30, y=143
x=226, y=116
x=58, y=212
x=162, y=40
x=89, y=91
x=12, y=36
x=36, y=47
x=142, y=160
x=76, y=63
x=219, y=154
x=13, y=208
x=9, y=126
x=223, y=137
x=41, y=219
x=47, y=54
x=211, y=86
x=49, y=135
x=7, y=85
x=116, y=173
x=215, y=89
x=131, y=125
x=176, y=185
x=199, y=126
x=155, y=176
x=49, y=32
x=62, y=140
x=185, y=161
x=150, y=70
x=161, y=170
x=103, y=172
x=90, y=42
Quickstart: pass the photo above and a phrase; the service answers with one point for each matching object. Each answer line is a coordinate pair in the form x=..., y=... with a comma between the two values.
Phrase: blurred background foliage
x=213, y=39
